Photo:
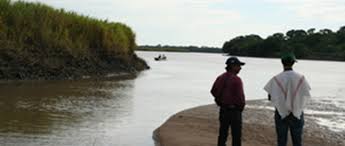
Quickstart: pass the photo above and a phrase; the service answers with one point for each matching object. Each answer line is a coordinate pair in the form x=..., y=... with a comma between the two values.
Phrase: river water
x=124, y=111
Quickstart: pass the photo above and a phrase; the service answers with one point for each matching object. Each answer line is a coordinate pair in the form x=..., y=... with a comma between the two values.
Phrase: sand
x=199, y=127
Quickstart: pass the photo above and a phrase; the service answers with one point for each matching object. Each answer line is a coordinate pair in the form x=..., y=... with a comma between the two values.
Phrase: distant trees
x=179, y=48
x=243, y=45
x=324, y=44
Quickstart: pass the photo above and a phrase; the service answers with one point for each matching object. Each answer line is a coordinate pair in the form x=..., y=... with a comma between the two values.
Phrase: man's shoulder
x=222, y=75
x=236, y=79
x=288, y=75
x=297, y=74
x=291, y=72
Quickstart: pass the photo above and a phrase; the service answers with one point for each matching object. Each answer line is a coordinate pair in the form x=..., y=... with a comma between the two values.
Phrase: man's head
x=288, y=59
x=233, y=65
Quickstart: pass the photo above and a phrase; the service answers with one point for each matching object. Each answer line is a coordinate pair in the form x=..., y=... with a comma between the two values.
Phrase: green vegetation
x=179, y=49
x=37, y=41
x=324, y=44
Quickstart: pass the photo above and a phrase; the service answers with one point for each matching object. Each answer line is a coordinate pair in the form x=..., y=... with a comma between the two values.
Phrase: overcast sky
x=209, y=22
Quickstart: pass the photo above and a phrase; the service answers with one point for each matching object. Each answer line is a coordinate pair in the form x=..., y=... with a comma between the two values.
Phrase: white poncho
x=289, y=91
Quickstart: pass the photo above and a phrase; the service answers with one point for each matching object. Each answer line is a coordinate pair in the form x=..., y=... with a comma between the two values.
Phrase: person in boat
x=164, y=57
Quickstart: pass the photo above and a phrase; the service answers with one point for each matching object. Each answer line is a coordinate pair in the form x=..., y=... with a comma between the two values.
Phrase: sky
x=209, y=22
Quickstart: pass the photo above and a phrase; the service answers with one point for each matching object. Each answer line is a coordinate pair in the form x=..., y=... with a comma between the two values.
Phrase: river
x=124, y=111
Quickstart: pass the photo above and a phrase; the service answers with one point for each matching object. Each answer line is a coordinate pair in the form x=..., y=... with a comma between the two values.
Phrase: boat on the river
x=160, y=58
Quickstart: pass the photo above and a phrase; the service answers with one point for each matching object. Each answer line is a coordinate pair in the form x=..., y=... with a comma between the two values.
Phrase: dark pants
x=283, y=125
x=230, y=117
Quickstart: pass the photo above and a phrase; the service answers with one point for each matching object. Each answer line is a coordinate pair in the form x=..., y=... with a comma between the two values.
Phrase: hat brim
x=239, y=63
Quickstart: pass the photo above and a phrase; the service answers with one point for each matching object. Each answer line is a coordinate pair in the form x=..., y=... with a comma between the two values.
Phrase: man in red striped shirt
x=229, y=96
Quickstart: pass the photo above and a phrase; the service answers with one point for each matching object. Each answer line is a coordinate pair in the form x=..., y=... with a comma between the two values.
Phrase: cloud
x=324, y=10
x=179, y=22
x=209, y=22
x=184, y=22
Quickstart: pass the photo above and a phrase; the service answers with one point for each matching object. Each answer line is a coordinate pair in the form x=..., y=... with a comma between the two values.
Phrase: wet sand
x=199, y=127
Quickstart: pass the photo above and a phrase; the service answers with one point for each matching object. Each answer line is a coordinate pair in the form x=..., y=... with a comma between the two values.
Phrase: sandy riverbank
x=199, y=127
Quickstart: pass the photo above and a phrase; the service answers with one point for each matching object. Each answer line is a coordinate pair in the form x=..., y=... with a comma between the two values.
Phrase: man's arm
x=239, y=92
x=217, y=90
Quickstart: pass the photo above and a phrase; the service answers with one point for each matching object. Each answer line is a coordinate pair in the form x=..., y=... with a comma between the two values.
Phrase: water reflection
x=62, y=108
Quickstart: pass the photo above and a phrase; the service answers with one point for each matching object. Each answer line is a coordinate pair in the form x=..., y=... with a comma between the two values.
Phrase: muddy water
x=124, y=110
x=62, y=112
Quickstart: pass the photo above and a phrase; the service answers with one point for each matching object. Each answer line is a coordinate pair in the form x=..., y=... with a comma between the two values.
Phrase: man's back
x=288, y=91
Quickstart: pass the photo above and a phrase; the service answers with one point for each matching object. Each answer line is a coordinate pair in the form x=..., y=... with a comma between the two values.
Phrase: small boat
x=160, y=58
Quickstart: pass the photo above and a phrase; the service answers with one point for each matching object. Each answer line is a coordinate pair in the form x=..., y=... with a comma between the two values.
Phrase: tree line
x=311, y=44
x=179, y=48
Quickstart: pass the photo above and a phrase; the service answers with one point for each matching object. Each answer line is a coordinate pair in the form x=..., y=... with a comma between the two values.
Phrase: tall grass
x=40, y=42
x=36, y=26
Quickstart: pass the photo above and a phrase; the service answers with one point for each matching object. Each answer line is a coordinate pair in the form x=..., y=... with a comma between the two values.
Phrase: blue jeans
x=230, y=117
x=283, y=125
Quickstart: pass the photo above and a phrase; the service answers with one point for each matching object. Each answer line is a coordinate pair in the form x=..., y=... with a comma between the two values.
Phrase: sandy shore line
x=199, y=127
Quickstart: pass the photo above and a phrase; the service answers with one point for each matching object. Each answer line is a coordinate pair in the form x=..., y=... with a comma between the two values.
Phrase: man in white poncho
x=288, y=92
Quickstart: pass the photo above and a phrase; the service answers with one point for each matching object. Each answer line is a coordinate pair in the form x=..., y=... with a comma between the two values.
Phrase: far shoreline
x=225, y=54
